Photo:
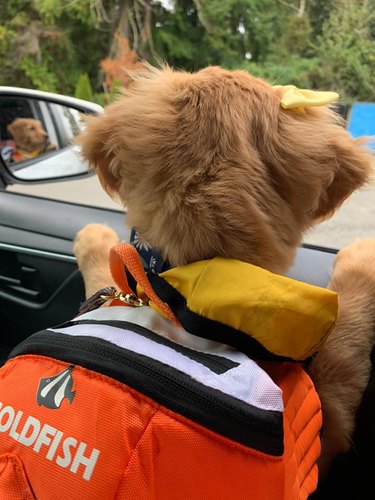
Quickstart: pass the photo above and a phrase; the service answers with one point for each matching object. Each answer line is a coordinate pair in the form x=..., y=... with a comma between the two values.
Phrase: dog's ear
x=14, y=127
x=353, y=167
x=313, y=162
x=18, y=132
x=95, y=148
x=105, y=141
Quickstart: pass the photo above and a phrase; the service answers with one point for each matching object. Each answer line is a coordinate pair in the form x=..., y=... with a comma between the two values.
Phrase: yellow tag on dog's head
x=294, y=97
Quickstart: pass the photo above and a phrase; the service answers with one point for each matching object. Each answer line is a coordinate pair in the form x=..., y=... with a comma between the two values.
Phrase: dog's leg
x=91, y=248
x=342, y=368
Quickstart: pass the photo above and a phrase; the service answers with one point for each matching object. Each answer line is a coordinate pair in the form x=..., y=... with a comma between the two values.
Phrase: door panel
x=40, y=284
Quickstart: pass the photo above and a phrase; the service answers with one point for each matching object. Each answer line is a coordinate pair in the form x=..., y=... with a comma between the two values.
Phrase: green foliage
x=106, y=98
x=295, y=36
x=49, y=10
x=50, y=44
x=83, y=88
x=39, y=75
x=223, y=32
x=298, y=71
x=115, y=92
x=7, y=41
x=44, y=44
x=178, y=35
x=346, y=50
x=319, y=12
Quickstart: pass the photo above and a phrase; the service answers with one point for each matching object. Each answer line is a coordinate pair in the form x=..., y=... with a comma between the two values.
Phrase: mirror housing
x=37, y=132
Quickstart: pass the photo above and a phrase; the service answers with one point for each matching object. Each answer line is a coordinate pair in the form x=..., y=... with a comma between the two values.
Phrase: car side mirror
x=37, y=131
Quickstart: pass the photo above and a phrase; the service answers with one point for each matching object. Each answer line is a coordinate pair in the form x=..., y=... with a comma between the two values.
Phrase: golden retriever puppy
x=210, y=164
x=30, y=138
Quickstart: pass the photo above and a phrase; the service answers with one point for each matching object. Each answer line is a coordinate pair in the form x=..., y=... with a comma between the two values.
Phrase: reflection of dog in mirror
x=30, y=139
x=210, y=164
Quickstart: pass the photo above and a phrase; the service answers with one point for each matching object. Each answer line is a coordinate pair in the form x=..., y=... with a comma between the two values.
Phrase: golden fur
x=209, y=164
x=342, y=367
x=29, y=136
x=91, y=248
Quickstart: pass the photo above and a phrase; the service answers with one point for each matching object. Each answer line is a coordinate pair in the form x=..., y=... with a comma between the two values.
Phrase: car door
x=40, y=284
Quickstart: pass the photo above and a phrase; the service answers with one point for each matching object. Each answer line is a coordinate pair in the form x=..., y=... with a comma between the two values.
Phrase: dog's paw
x=361, y=249
x=93, y=242
x=355, y=264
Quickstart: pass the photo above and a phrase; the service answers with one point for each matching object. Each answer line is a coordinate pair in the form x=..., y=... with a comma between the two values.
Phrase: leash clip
x=109, y=293
x=129, y=298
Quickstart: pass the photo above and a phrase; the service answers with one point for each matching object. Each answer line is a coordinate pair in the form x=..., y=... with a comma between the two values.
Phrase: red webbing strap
x=126, y=256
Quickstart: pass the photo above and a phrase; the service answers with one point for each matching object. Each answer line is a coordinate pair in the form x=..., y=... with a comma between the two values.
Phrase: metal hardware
x=128, y=298
x=109, y=293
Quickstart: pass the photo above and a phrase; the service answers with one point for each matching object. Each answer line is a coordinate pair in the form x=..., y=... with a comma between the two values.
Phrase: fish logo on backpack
x=53, y=390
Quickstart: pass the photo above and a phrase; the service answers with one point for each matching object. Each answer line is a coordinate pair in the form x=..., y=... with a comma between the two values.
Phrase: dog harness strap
x=124, y=256
x=116, y=264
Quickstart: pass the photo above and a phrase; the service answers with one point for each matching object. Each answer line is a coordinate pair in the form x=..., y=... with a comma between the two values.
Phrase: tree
x=83, y=88
x=48, y=44
x=44, y=44
x=196, y=33
x=346, y=50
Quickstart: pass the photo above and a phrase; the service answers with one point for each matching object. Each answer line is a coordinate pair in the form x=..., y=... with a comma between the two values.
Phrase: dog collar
x=28, y=154
x=152, y=261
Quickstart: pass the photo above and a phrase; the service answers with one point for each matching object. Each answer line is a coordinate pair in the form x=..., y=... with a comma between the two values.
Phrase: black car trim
x=35, y=251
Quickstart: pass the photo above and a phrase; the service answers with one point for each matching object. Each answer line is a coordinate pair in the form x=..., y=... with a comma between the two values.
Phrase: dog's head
x=209, y=164
x=28, y=134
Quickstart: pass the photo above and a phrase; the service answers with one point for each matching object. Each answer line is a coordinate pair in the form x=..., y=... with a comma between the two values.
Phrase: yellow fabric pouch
x=289, y=318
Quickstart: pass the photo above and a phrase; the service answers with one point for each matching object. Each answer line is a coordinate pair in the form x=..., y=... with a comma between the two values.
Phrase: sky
x=168, y=4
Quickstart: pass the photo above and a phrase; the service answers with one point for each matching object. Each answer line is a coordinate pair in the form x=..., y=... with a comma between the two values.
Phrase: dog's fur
x=29, y=136
x=91, y=248
x=342, y=367
x=209, y=164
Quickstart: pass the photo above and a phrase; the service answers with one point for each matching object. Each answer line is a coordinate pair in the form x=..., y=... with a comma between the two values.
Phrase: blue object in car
x=361, y=119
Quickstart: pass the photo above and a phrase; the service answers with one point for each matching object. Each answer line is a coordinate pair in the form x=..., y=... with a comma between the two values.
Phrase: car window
x=354, y=220
x=356, y=217
x=85, y=191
